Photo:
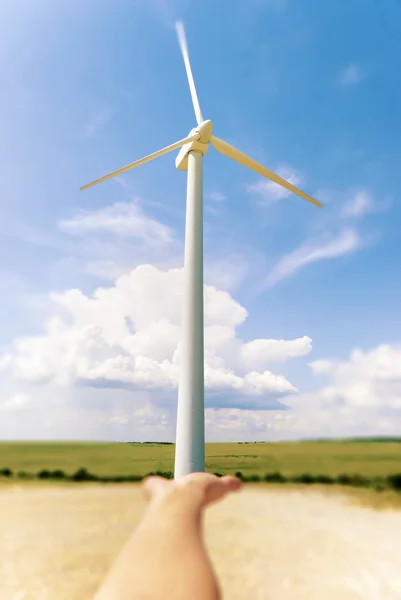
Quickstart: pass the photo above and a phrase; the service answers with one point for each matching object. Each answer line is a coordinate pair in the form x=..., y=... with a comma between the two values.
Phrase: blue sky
x=309, y=89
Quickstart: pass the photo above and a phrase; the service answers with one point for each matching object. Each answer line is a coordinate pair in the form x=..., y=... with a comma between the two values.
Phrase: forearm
x=165, y=556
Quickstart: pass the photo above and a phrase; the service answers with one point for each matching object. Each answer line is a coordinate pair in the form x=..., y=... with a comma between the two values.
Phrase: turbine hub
x=205, y=130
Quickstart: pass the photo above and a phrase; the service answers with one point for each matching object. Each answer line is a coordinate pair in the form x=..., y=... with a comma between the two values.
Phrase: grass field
x=367, y=458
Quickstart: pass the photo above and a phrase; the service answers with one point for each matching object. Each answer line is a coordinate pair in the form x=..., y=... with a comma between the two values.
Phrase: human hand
x=206, y=488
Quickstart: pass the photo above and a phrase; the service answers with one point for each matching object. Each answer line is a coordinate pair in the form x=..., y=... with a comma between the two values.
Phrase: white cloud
x=351, y=75
x=262, y=352
x=125, y=219
x=360, y=203
x=112, y=240
x=119, y=420
x=217, y=196
x=128, y=336
x=272, y=192
x=362, y=397
x=311, y=251
x=226, y=273
x=15, y=402
x=367, y=378
x=234, y=424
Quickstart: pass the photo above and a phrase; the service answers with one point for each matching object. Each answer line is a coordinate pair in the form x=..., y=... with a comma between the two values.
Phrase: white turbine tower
x=190, y=433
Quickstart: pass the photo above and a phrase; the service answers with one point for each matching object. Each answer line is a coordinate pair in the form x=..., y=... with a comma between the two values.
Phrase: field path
x=57, y=542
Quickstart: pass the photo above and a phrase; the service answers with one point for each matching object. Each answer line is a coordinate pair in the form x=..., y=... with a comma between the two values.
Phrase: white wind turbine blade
x=141, y=161
x=245, y=160
x=184, y=51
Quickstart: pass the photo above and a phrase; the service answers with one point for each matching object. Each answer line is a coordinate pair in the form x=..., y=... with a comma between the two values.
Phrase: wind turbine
x=190, y=432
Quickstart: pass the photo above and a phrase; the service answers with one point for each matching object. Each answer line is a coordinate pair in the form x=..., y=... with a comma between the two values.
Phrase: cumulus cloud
x=351, y=75
x=271, y=192
x=312, y=251
x=259, y=352
x=370, y=378
x=127, y=336
x=15, y=402
x=125, y=219
x=362, y=397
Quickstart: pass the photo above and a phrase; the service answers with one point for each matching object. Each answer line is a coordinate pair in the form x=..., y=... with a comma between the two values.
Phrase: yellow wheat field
x=57, y=543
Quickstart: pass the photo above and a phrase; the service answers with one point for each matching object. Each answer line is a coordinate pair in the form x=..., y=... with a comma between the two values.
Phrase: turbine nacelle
x=204, y=130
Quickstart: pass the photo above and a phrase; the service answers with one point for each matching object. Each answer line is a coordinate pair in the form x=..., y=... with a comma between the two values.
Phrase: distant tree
x=44, y=474
x=326, y=479
x=355, y=480
x=275, y=477
x=6, y=472
x=344, y=479
x=58, y=474
x=83, y=474
x=394, y=481
x=304, y=478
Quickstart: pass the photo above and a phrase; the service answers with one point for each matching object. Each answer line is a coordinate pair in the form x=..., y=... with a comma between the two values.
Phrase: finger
x=231, y=483
x=154, y=486
x=219, y=488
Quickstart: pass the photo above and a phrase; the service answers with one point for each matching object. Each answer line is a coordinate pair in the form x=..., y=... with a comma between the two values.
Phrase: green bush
x=57, y=474
x=308, y=478
x=44, y=474
x=6, y=472
x=275, y=477
x=325, y=479
x=394, y=481
x=354, y=480
x=238, y=474
x=166, y=474
x=83, y=474
x=304, y=478
x=134, y=478
x=344, y=479
x=47, y=474
x=359, y=480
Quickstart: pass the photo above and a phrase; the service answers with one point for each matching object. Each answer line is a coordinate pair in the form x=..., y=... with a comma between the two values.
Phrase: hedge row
x=355, y=480
x=81, y=474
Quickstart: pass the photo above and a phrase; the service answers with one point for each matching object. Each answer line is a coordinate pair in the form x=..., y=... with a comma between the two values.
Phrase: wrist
x=182, y=500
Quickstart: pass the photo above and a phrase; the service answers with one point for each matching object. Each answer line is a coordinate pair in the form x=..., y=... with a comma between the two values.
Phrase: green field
x=367, y=458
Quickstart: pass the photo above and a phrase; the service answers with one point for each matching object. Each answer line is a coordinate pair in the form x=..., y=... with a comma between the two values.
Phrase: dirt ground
x=57, y=542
